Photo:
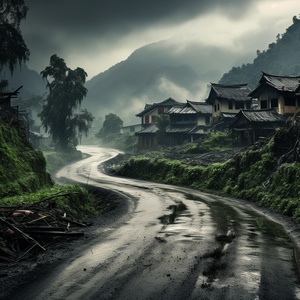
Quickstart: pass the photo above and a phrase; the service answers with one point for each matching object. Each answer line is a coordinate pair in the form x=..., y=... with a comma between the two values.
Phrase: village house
x=147, y=137
x=226, y=101
x=188, y=122
x=281, y=93
x=251, y=125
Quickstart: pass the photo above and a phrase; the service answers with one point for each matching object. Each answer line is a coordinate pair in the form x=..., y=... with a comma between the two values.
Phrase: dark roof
x=260, y=116
x=200, y=129
x=149, y=107
x=280, y=83
x=235, y=92
x=149, y=129
x=179, y=128
x=188, y=129
x=191, y=107
x=201, y=107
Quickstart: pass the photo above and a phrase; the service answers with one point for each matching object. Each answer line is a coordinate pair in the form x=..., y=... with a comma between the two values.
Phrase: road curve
x=174, y=243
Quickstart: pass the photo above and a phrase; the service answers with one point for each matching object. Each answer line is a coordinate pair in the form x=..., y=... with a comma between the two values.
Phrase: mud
x=15, y=276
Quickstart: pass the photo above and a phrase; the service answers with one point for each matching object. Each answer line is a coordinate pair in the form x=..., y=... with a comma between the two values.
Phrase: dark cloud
x=120, y=15
x=64, y=26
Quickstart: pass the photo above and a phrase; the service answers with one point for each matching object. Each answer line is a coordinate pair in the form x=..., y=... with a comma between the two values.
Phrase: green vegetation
x=12, y=48
x=111, y=136
x=24, y=179
x=112, y=125
x=66, y=92
x=23, y=175
x=281, y=58
x=253, y=175
x=214, y=141
x=74, y=201
x=22, y=169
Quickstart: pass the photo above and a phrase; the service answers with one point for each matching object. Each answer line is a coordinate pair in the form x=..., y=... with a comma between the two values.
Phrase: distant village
x=250, y=115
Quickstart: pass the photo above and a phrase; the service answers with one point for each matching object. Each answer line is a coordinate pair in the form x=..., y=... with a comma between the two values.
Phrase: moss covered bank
x=263, y=175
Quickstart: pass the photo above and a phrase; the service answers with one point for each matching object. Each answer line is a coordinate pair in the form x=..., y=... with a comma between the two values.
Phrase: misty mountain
x=281, y=58
x=154, y=73
x=32, y=82
x=181, y=70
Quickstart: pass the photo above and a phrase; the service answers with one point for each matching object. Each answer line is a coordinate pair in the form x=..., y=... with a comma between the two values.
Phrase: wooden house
x=188, y=122
x=227, y=101
x=278, y=92
x=251, y=125
x=147, y=136
x=151, y=111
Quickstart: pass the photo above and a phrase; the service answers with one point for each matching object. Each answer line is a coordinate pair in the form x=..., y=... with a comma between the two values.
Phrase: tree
x=66, y=92
x=111, y=125
x=13, y=49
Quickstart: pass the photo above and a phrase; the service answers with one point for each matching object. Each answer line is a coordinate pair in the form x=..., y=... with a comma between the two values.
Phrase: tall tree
x=111, y=125
x=66, y=92
x=13, y=49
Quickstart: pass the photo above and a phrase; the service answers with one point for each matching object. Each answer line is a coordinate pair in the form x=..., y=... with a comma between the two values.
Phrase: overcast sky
x=96, y=34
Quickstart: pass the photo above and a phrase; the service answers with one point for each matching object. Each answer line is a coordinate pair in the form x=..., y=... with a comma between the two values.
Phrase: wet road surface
x=173, y=243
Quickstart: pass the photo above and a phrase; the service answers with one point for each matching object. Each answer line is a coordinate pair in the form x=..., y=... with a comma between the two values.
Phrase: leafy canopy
x=13, y=49
x=66, y=92
x=111, y=125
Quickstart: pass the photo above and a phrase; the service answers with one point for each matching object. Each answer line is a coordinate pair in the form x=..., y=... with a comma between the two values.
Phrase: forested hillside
x=281, y=58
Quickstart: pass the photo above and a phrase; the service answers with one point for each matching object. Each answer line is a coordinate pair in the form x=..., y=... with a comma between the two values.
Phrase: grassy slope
x=254, y=175
x=22, y=169
x=24, y=178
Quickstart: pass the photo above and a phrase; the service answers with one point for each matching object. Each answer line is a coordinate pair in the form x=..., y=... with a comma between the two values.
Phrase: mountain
x=281, y=58
x=32, y=82
x=154, y=73
x=181, y=70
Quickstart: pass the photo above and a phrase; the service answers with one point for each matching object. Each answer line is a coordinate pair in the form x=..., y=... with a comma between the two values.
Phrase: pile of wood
x=26, y=230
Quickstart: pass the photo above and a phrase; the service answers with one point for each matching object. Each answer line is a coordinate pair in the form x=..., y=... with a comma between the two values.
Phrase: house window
x=230, y=106
x=263, y=104
x=239, y=105
x=153, y=119
x=274, y=102
x=215, y=107
x=290, y=101
x=248, y=105
x=160, y=110
x=146, y=119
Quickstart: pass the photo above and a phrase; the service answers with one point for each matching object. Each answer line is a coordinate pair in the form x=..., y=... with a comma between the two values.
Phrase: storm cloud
x=96, y=34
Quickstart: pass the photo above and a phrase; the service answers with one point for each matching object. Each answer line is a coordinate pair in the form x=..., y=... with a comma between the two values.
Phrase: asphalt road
x=173, y=243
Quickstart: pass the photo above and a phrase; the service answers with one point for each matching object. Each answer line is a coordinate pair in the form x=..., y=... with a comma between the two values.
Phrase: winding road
x=172, y=243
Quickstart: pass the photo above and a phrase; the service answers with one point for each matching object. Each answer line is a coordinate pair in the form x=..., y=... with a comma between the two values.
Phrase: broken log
x=26, y=236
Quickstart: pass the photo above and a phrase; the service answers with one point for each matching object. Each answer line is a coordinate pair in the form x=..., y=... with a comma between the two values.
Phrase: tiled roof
x=166, y=103
x=201, y=107
x=191, y=107
x=149, y=129
x=236, y=92
x=179, y=128
x=280, y=83
x=200, y=129
x=261, y=116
